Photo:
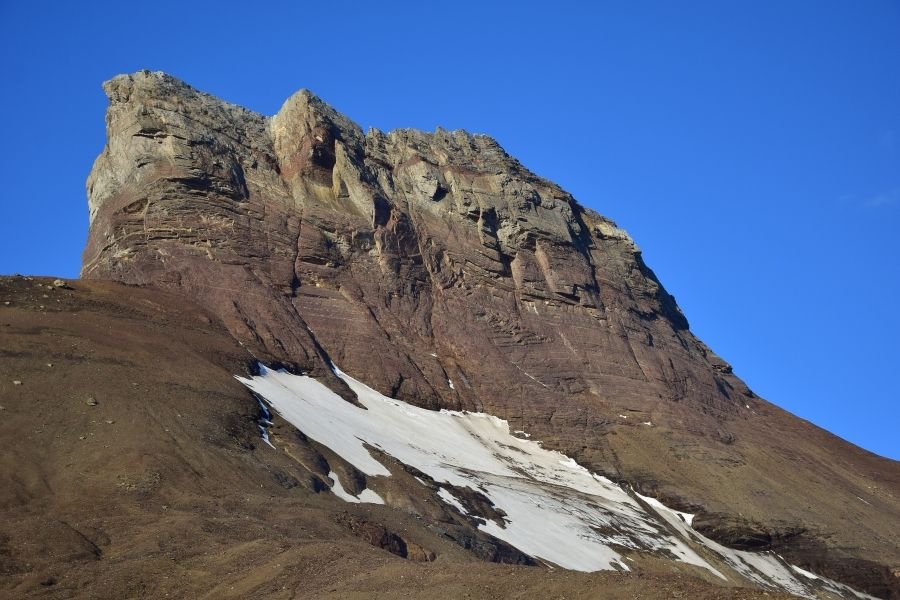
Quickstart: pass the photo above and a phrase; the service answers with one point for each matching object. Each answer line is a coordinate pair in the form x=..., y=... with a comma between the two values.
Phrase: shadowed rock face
x=440, y=271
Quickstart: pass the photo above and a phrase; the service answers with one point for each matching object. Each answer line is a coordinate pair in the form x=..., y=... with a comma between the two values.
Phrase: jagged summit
x=440, y=271
x=122, y=87
x=161, y=84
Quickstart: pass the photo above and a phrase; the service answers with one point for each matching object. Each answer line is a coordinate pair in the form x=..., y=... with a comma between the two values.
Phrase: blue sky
x=751, y=148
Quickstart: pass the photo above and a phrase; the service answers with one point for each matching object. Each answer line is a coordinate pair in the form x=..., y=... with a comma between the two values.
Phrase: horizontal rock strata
x=440, y=271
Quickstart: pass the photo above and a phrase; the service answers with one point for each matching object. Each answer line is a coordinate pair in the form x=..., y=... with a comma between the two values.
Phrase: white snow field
x=556, y=510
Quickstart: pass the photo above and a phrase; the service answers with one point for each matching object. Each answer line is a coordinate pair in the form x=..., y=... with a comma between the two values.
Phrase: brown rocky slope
x=416, y=259
x=132, y=467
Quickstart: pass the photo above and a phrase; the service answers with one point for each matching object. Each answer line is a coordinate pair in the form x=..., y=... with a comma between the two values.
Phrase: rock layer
x=440, y=271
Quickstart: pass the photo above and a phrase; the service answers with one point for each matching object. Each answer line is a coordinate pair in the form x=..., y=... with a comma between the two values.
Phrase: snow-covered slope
x=555, y=510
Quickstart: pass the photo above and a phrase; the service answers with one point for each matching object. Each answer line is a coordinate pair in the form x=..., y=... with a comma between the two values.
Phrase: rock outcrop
x=440, y=271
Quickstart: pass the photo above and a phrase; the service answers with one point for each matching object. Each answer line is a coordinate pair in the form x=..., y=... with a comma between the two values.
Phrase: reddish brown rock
x=437, y=269
x=380, y=537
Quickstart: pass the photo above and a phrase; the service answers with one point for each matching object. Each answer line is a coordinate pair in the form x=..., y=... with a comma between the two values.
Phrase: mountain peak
x=441, y=272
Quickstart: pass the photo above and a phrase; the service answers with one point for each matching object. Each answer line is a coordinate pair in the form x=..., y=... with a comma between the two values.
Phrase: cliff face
x=438, y=270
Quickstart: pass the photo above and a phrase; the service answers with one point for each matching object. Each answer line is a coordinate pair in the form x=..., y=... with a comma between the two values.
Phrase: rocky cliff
x=440, y=271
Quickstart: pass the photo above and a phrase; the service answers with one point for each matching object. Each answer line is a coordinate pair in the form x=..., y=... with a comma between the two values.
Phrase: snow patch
x=656, y=504
x=450, y=499
x=766, y=569
x=264, y=422
x=806, y=574
x=556, y=510
x=365, y=496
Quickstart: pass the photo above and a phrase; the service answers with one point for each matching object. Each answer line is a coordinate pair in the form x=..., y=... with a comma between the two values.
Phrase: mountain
x=353, y=278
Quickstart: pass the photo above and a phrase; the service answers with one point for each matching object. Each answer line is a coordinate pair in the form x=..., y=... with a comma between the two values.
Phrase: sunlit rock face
x=440, y=271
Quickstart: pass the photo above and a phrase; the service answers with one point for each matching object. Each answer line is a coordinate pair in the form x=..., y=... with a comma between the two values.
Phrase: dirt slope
x=133, y=468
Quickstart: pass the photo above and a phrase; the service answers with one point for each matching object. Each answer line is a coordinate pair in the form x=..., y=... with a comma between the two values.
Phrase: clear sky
x=751, y=148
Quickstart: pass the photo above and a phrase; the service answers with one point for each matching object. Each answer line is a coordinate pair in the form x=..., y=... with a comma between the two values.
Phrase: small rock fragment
x=49, y=364
x=91, y=401
x=16, y=382
x=61, y=284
